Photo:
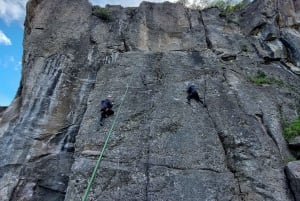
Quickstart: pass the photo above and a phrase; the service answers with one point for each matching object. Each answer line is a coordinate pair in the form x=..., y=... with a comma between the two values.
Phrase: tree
x=183, y=2
x=196, y=4
x=200, y=4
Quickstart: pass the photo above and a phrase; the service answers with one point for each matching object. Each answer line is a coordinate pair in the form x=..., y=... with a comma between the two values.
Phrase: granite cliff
x=161, y=148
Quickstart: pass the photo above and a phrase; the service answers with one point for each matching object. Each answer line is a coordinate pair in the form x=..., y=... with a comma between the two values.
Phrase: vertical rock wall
x=161, y=147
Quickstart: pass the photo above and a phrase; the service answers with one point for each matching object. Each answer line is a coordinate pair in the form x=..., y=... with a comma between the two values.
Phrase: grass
x=261, y=79
x=244, y=48
x=102, y=13
x=290, y=159
x=292, y=130
x=225, y=6
x=230, y=9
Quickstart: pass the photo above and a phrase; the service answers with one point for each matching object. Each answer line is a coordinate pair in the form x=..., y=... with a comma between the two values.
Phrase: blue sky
x=12, y=14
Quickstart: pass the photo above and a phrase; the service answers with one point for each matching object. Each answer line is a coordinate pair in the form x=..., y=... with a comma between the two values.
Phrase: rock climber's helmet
x=110, y=98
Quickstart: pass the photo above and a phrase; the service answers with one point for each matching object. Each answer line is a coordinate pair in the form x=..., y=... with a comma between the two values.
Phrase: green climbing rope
x=91, y=180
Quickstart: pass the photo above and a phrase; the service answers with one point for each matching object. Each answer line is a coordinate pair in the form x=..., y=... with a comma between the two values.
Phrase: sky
x=12, y=16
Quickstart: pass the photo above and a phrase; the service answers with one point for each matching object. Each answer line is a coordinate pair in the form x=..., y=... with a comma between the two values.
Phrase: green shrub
x=261, y=79
x=226, y=6
x=102, y=13
x=219, y=4
x=292, y=130
x=232, y=8
x=244, y=48
x=290, y=159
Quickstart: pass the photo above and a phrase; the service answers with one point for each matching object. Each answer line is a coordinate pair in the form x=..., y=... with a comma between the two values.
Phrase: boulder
x=291, y=39
x=293, y=174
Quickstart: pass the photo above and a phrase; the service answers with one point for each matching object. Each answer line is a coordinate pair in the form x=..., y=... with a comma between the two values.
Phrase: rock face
x=161, y=147
x=293, y=174
x=2, y=108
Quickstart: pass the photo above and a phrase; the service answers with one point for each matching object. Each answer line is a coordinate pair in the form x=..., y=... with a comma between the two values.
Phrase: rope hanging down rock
x=91, y=180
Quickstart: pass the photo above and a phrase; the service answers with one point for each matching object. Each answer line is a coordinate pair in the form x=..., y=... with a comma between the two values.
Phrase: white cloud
x=18, y=66
x=4, y=39
x=12, y=10
x=10, y=62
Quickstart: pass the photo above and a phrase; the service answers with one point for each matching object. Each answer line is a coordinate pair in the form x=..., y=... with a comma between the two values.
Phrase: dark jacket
x=193, y=94
x=106, y=104
x=191, y=89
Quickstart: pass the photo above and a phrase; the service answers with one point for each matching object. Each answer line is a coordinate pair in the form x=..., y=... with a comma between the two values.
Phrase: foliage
x=292, y=130
x=183, y=2
x=219, y=4
x=261, y=79
x=226, y=7
x=232, y=8
x=244, y=48
x=102, y=13
x=290, y=159
x=196, y=4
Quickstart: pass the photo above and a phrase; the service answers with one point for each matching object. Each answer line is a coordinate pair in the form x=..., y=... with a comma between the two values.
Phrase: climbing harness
x=91, y=180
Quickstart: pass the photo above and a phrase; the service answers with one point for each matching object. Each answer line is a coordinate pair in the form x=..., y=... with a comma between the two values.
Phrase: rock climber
x=106, y=110
x=193, y=94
